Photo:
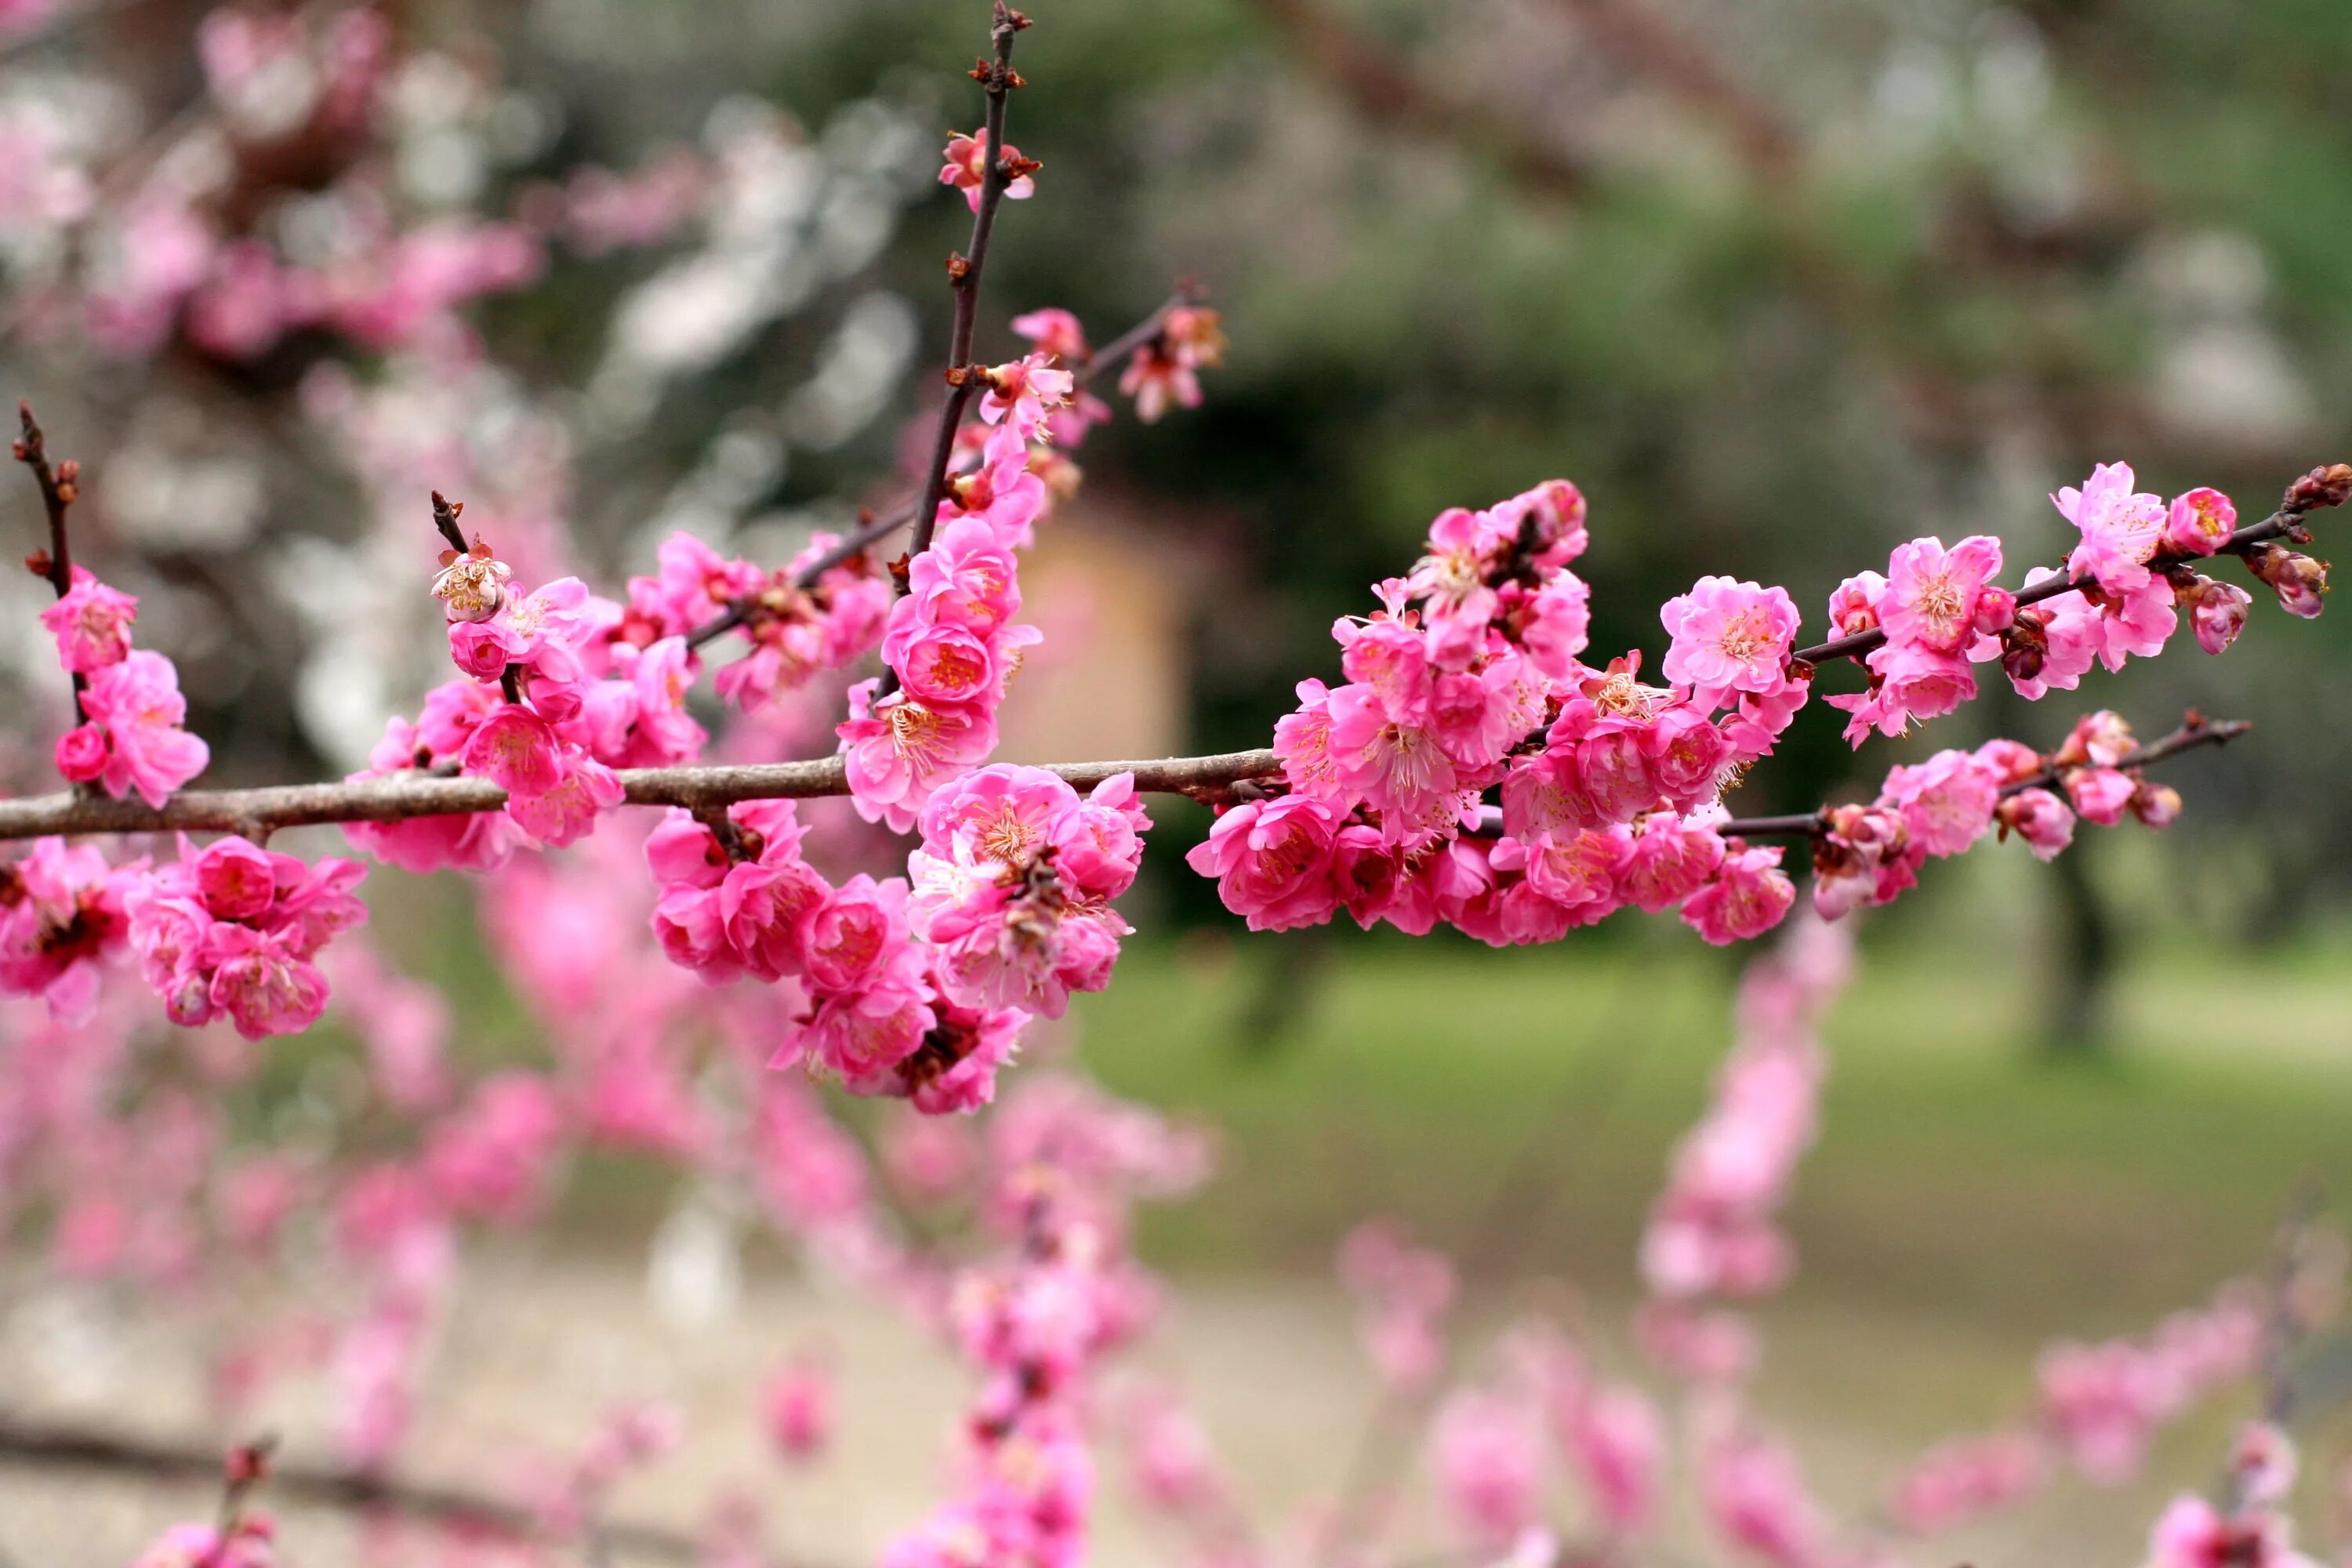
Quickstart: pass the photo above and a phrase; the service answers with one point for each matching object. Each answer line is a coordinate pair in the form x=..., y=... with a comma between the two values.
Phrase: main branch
x=255, y=812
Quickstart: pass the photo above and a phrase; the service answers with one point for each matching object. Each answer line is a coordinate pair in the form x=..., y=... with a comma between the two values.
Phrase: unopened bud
x=1996, y=611
x=2299, y=581
x=2156, y=805
x=2217, y=611
x=2330, y=486
x=2025, y=645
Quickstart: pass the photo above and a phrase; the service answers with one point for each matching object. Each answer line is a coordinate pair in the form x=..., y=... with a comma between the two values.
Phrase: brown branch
x=400, y=796
x=58, y=493
x=37, y=1445
x=59, y=487
x=965, y=272
x=2195, y=731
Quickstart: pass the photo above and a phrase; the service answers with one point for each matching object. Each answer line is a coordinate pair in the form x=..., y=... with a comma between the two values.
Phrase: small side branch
x=2195, y=731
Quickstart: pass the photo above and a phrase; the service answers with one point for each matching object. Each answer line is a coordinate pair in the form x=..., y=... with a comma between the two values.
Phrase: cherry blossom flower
x=2121, y=529
x=2198, y=522
x=967, y=168
x=91, y=624
x=1729, y=636
x=1932, y=594
x=131, y=739
x=62, y=917
x=1749, y=896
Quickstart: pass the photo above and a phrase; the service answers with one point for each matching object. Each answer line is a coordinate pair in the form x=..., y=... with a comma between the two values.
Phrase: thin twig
x=2195, y=731
x=965, y=272
x=58, y=488
x=37, y=1446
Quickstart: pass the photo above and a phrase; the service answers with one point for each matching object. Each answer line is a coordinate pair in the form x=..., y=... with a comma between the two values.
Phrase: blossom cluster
x=2131, y=577
x=1866, y=855
x=232, y=929
x=1468, y=680
x=131, y=735
x=918, y=987
x=1036, y=1319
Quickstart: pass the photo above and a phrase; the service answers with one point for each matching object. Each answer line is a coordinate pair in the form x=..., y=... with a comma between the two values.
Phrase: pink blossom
x=1756, y=1498
x=967, y=168
x=1947, y=802
x=2040, y=818
x=1921, y=682
x=1750, y=895
x=1271, y=859
x=900, y=749
x=250, y=1543
x=491, y=1159
x=797, y=1403
x=2100, y=794
x=2121, y=529
x=1025, y=388
x=1054, y=332
x=2139, y=623
x=2217, y=612
x=62, y=915
x=476, y=840
x=2193, y=1533
x=1403, y=1293
x=2198, y=522
x=1854, y=604
x=1932, y=594
x=1489, y=1455
x=1729, y=637
x=1670, y=858
x=1960, y=1481
x=261, y=980
x=1619, y=1442
x=134, y=708
x=91, y=625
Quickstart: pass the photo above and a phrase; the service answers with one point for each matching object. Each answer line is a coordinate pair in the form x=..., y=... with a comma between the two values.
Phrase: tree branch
x=2304, y=498
x=400, y=796
x=2195, y=731
x=37, y=1445
x=964, y=275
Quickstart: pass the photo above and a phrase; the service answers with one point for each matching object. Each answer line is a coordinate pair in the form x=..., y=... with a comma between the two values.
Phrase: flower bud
x=2102, y=739
x=2199, y=522
x=2217, y=611
x=2330, y=486
x=2039, y=817
x=2025, y=644
x=2298, y=580
x=1996, y=611
x=2156, y=805
x=81, y=752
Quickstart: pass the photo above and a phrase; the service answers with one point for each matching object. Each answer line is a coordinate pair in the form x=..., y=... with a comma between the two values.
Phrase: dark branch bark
x=403, y=795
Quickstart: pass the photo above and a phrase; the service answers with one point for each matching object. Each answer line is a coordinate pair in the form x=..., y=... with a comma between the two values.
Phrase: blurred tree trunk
x=2084, y=950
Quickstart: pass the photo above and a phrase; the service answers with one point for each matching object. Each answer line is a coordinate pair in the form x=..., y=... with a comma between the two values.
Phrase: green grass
x=1958, y=1168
